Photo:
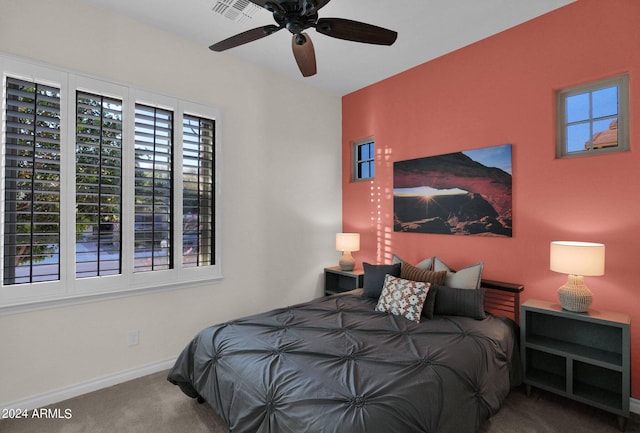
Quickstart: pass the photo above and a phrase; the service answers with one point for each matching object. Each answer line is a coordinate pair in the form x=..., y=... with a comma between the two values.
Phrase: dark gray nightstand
x=336, y=280
x=583, y=356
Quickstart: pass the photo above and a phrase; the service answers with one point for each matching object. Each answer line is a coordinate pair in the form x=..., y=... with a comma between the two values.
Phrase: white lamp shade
x=577, y=258
x=348, y=241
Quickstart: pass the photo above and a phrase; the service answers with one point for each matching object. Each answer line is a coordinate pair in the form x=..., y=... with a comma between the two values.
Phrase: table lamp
x=347, y=242
x=577, y=259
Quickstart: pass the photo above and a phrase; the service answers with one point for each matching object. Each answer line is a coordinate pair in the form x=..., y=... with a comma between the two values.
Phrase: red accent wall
x=501, y=90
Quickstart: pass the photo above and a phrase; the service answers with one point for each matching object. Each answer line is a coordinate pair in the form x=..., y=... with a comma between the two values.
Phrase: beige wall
x=281, y=196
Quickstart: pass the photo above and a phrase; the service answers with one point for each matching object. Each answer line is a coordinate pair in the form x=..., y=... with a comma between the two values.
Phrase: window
x=593, y=118
x=31, y=183
x=98, y=185
x=153, y=188
x=198, y=192
x=105, y=188
x=363, y=160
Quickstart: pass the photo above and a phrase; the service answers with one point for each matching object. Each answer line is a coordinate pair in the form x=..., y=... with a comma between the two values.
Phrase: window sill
x=79, y=299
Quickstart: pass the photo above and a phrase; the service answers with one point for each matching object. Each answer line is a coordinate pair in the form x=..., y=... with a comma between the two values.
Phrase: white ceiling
x=426, y=29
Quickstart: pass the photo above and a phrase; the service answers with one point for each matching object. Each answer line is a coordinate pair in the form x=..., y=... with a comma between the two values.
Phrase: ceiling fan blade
x=355, y=31
x=244, y=37
x=321, y=3
x=304, y=53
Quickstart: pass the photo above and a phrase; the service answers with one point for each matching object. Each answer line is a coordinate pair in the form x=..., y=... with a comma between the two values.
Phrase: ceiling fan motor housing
x=296, y=15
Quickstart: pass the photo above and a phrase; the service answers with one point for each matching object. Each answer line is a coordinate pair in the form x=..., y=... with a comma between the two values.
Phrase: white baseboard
x=634, y=405
x=68, y=392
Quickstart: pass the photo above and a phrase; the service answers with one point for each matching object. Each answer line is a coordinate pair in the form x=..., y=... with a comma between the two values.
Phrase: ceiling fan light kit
x=299, y=15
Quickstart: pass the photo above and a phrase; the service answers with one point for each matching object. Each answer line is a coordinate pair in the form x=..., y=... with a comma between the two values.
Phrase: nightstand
x=582, y=356
x=337, y=280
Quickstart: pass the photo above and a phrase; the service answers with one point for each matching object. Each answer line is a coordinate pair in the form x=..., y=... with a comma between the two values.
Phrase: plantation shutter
x=198, y=191
x=98, y=181
x=32, y=183
x=153, y=188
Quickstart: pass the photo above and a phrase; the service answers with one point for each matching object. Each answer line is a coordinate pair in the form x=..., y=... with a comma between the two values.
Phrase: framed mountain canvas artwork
x=461, y=193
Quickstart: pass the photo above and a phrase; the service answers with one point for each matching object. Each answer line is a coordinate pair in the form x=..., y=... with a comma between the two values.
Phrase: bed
x=334, y=364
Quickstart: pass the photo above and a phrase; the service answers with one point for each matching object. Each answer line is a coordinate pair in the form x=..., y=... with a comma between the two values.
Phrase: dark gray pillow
x=430, y=302
x=374, y=278
x=459, y=302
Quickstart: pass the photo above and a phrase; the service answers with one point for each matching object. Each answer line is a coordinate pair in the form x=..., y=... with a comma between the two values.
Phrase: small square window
x=363, y=160
x=593, y=118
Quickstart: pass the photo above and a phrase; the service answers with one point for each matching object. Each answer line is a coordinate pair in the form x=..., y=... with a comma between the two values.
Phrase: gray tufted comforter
x=335, y=365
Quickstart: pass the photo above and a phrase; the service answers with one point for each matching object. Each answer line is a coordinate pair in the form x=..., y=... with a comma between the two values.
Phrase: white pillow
x=465, y=278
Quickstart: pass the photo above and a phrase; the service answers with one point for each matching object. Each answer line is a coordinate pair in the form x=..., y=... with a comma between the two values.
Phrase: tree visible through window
x=98, y=185
x=32, y=183
x=105, y=188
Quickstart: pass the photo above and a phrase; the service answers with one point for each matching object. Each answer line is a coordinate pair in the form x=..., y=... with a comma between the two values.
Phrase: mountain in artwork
x=451, y=194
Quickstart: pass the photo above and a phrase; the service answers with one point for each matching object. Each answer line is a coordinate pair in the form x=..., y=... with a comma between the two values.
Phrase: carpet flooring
x=152, y=405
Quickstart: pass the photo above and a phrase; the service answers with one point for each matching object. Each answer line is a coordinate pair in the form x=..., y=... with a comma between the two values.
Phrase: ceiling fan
x=299, y=15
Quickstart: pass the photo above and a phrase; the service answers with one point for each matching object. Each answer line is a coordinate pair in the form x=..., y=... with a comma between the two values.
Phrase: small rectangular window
x=593, y=118
x=198, y=191
x=32, y=183
x=98, y=185
x=364, y=160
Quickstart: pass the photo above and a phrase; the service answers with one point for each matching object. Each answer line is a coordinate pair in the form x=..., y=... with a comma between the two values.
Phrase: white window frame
x=622, y=83
x=69, y=289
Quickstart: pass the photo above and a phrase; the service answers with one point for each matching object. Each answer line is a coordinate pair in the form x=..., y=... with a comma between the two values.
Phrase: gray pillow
x=426, y=264
x=466, y=278
x=459, y=302
x=374, y=276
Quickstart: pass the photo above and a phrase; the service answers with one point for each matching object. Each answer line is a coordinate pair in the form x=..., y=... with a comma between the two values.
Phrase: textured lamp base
x=575, y=295
x=347, y=262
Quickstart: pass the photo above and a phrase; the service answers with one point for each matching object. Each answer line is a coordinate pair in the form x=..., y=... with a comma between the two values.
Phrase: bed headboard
x=502, y=298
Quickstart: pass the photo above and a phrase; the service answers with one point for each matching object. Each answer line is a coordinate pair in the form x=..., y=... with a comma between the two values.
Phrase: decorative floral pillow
x=403, y=297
